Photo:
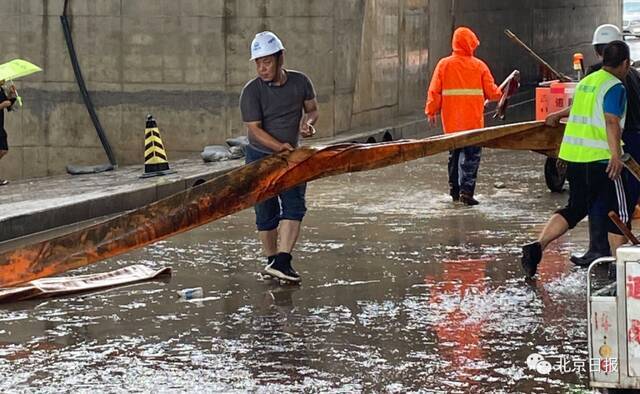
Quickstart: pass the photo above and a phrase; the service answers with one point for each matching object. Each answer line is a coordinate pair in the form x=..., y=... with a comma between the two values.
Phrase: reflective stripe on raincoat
x=460, y=85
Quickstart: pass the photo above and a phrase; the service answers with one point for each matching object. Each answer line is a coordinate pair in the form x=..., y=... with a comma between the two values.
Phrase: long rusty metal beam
x=244, y=187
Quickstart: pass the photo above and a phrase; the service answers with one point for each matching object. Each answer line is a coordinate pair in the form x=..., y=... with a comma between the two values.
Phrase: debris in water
x=189, y=294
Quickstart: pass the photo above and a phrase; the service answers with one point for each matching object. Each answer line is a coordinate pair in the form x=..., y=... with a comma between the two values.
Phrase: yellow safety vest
x=585, y=137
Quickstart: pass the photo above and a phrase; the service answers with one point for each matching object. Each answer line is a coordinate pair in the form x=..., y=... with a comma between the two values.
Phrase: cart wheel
x=554, y=178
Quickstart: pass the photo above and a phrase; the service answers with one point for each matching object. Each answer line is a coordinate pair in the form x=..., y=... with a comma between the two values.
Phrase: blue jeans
x=288, y=205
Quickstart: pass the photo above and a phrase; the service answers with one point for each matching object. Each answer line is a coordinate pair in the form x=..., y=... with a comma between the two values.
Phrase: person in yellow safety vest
x=598, y=240
x=591, y=146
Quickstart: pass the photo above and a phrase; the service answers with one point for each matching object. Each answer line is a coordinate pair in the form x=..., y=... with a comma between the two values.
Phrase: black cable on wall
x=83, y=89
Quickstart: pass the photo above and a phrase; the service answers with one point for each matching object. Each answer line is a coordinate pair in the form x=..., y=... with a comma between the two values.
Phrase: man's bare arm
x=265, y=139
x=310, y=117
x=614, y=134
x=553, y=119
x=311, y=111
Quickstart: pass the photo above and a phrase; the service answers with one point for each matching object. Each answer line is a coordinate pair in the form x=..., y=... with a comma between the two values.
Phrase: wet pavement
x=402, y=291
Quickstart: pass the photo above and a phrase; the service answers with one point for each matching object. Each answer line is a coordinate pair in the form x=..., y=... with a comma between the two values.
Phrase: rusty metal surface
x=243, y=188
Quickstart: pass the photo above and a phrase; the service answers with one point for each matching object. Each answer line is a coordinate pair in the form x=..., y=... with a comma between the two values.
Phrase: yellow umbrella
x=17, y=68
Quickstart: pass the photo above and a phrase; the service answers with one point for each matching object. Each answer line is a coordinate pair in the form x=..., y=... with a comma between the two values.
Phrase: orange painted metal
x=623, y=227
x=244, y=187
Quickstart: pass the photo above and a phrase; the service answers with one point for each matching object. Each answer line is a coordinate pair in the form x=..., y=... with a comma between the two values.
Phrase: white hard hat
x=265, y=44
x=604, y=34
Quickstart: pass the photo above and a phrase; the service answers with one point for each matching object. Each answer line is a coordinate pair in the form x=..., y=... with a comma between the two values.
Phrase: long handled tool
x=540, y=60
x=634, y=168
x=631, y=165
x=509, y=87
x=623, y=227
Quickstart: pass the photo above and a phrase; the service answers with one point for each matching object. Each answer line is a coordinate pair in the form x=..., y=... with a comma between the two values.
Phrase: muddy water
x=403, y=291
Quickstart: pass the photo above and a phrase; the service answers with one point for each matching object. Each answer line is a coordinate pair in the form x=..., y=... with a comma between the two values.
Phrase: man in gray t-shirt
x=277, y=107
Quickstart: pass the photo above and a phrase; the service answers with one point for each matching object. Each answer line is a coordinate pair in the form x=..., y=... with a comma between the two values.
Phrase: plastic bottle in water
x=190, y=294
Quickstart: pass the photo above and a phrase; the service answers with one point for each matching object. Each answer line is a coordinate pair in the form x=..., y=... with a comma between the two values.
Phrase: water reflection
x=460, y=329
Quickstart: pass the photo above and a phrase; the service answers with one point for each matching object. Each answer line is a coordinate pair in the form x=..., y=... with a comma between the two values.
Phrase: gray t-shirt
x=279, y=108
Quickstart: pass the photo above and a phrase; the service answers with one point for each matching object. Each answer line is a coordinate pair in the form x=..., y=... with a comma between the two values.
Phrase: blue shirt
x=615, y=101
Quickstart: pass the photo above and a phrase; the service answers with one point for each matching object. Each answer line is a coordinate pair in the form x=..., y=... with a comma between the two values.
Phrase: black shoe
x=598, y=241
x=3, y=182
x=467, y=199
x=262, y=275
x=587, y=259
x=281, y=268
x=531, y=256
x=270, y=260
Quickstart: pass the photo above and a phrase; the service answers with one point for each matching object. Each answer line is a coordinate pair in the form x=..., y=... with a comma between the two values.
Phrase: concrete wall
x=186, y=61
x=555, y=29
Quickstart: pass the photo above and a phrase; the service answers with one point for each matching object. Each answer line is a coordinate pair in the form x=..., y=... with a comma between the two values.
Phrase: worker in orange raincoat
x=459, y=87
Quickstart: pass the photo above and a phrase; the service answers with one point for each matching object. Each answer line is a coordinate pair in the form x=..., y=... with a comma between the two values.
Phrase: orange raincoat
x=460, y=85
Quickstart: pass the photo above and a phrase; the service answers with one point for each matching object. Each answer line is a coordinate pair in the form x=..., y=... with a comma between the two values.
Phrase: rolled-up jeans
x=288, y=205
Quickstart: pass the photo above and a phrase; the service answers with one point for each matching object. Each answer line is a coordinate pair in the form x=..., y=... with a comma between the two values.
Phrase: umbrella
x=17, y=68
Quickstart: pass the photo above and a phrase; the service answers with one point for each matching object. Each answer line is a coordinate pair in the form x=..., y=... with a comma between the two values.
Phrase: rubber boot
x=598, y=242
x=531, y=256
x=455, y=194
x=467, y=199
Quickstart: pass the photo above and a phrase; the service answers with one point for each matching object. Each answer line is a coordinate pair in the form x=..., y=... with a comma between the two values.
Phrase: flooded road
x=402, y=291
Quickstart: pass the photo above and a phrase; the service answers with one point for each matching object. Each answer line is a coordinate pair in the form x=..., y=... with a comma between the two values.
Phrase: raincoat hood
x=464, y=41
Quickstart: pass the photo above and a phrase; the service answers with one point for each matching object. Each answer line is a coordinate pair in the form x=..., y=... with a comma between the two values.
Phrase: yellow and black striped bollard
x=155, y=156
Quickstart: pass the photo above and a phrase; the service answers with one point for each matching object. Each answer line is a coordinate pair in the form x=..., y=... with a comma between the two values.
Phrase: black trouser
x=588, y=183
x=598, y=240
x=632, y=146
x=463, y=170
x=4, y=145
